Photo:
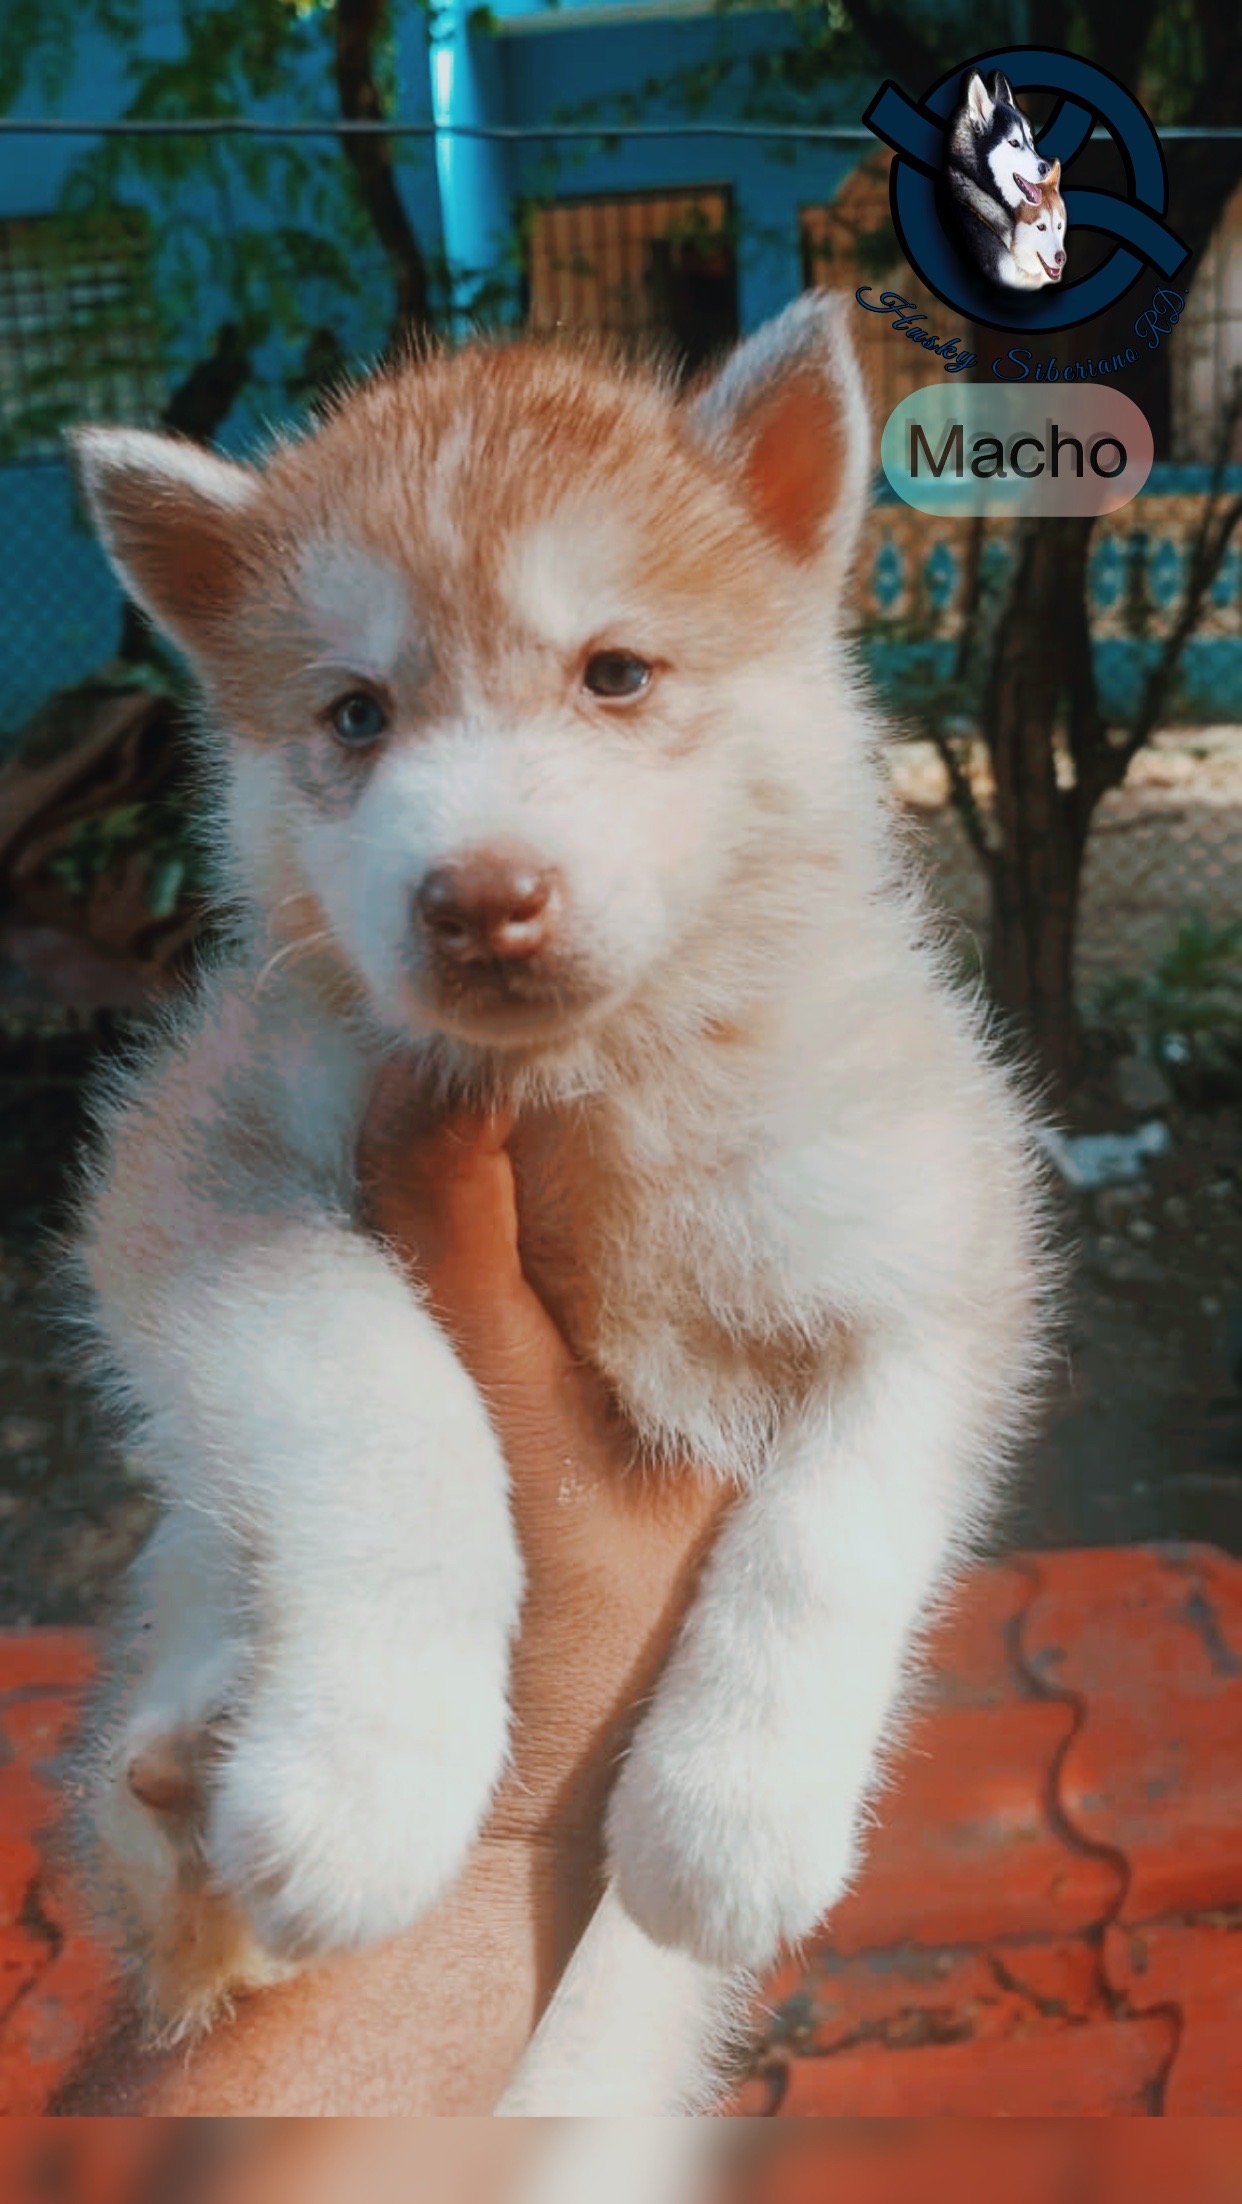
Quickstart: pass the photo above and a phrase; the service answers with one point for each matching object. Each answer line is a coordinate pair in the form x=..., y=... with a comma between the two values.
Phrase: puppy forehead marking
x=571, y=574
x=358, y=604
x=444, y=486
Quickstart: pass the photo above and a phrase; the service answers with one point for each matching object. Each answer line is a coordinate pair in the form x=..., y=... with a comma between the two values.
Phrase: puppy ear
x=174, y=521
x=979, y=101
x=1053, y=177
x=787, y=415
x=1001, y=91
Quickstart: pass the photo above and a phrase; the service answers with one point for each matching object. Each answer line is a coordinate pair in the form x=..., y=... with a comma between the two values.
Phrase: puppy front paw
x=338, y=1827
x=141, y=1848
x=727, y=1857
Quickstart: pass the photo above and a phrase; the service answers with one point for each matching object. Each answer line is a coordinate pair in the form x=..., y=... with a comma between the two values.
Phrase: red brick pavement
x=1050, y=1922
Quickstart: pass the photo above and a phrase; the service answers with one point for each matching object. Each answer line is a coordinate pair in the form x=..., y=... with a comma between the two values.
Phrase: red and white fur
x=1036, y=255
x=774, y=1185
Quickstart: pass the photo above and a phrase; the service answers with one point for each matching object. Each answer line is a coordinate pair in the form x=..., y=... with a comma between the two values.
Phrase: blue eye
x=358, y=719
x=616, y=675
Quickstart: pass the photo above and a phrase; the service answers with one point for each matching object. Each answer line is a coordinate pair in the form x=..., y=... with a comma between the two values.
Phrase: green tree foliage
x=261, y=249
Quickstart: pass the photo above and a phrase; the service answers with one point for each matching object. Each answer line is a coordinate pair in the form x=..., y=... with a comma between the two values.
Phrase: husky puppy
x=543, y=764
x=1036, y=254
x=992, y=169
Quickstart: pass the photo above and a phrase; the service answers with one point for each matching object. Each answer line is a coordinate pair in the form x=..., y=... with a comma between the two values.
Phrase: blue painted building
x=697, y=234
x=195, y=243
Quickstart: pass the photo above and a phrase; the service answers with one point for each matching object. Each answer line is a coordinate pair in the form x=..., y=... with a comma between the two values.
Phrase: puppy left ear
x=1001, y=90
x=787, y=415
x=1053, y=177
x=175, y=521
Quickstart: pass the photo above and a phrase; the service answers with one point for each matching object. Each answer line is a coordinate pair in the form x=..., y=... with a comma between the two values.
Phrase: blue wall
x=59, y=612
x=1207, y=692
x=191, y=264
x=60, y=615
x=59, y=609
x=546, y=73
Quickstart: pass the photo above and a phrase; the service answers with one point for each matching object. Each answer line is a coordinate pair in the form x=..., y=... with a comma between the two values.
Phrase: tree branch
x=358, y=25
x=965, y=802
x=898, y=47
x=200, y=405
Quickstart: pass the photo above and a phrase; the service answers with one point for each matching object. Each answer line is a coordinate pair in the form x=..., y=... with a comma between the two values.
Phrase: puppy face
x=1007, y=142
x=502, y=654
x=1039, y=234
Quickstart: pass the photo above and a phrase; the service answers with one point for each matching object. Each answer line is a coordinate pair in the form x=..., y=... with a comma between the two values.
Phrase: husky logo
x=976, y=192
x=1002, y=189
x=1036, y=253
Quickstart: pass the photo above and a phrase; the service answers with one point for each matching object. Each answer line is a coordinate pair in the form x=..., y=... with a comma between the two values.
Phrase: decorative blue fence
x=913, y=590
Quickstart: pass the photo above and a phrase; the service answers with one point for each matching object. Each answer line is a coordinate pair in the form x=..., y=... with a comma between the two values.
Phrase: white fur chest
x=673, y=1277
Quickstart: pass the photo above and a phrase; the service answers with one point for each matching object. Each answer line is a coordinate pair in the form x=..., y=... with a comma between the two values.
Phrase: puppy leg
x=735, y=1823
x=178, y=1671
x=299, y=1391
x=633, y=2030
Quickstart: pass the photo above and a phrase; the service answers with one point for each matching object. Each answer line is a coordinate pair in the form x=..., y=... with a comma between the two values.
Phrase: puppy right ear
x=979, y=101
x=1001, y=90
x=787, y=415
x=174, y=520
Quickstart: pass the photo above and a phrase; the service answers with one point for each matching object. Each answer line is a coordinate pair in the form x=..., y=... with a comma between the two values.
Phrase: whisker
x=364, y=841
x=289, y=949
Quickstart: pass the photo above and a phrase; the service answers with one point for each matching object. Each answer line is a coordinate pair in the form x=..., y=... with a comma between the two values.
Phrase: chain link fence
x=1165, y=851
x=60, y=611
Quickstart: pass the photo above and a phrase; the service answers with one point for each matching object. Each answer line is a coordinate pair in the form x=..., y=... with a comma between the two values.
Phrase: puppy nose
x=1043, y=168
x=487, y=905
x=1060, y=258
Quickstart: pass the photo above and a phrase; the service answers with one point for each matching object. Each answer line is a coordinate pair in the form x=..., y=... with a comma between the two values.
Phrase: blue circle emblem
x=1086, y=95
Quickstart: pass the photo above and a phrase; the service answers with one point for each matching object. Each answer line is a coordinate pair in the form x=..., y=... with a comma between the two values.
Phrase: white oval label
x=980, y=448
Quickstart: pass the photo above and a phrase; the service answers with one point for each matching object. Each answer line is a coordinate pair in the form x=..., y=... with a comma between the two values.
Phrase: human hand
x=611, y=1548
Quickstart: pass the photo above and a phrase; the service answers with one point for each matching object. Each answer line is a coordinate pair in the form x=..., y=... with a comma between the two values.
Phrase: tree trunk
x=1037, y=674
x=359, y=24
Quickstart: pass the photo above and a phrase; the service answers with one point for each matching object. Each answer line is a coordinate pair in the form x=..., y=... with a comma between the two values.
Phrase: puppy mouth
x=1053, y=274
x=1030, y=191
x=499, y=1003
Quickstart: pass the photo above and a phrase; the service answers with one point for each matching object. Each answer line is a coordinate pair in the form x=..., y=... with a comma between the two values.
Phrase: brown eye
x=358, y=719
x=616, y=675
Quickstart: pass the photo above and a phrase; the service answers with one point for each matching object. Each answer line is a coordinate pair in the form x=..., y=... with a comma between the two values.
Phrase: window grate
x=850, y=242
x=79, y=335
x=637, y=266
